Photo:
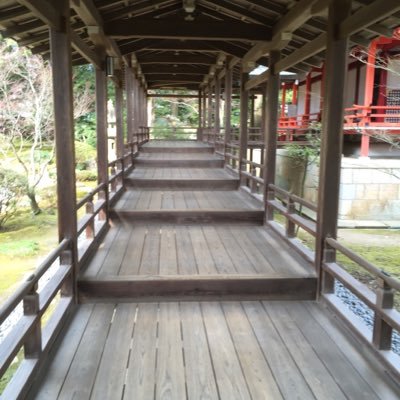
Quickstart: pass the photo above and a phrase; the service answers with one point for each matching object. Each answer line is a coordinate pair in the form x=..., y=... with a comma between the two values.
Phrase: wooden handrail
x=90, y=195
x=362, y=262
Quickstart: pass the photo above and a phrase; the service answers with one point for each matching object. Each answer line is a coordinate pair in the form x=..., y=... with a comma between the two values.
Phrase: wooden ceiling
x=172, y=48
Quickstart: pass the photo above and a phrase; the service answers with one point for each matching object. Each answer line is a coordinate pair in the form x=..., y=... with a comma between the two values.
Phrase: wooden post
x=119, y=124
x=101, y=120
x=252, y=111
x=283, y=101
x=200, y=124
x=60, y=47
x=217, y=123
x=332, y=129
x=307, y=103
x=271, y=131
x=129, y=102
x=228, y=104
x=382, y=333
x=369, y=93
x=209, y=108
x=244, y=115
x=204, y=119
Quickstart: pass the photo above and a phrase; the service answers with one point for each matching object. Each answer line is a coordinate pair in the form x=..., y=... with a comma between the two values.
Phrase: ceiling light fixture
x=189, y=5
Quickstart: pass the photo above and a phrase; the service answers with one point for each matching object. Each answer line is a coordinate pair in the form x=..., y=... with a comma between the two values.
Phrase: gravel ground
x=363, y=312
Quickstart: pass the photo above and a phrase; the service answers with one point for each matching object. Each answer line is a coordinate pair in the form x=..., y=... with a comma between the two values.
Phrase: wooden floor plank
x=259, y=377
x=110, y=377
x=179, y=201
x=97, y=261
x=191, y=200
x=229, y=376
x=222, y=259
x=287, y=376
x=170, y=374
x=82, y=373
x=140, y=376
x=168, y=258
x=156, y=200
x=185, y=254
x=64, y=355
x=340, y=353
x=260, y=264
x=151, y=252
x=317, y=376
x=199, y=374
x=204, y=260
x=241, y=262
x=112, y=262
x=133, y=256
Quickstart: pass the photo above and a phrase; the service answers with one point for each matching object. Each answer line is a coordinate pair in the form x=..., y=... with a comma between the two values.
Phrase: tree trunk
x=33, y=202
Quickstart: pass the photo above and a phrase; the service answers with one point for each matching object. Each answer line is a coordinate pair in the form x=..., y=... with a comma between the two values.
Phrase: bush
x=86, y=175
x=85, y=156
x=12, y=188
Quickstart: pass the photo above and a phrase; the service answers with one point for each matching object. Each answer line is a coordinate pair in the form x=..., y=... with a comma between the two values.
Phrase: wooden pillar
x=244, y=115
x=209, y=108
x=119, y=124
x=60, y=47
x=369, y=93
x=252, y=110
x=283, y=101
x=295, y=92
x=271, y=131
x=228, y=104
x=217, y=123
x=332, y=129
x=204, y=118
x=307, y=103
x=200, y=123
x=101, y=121
x=129, y=102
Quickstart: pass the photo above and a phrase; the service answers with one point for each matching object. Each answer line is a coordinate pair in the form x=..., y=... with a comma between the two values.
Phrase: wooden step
x=201, y=163
x=175, y=216
x=183, y=184
x=194, y=287
x=166, y=149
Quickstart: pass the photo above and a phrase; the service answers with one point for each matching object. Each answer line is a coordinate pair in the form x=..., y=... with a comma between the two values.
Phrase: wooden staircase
x=183, y=230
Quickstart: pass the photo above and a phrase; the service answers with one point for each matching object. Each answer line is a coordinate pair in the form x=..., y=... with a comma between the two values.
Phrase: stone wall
x=369, y=189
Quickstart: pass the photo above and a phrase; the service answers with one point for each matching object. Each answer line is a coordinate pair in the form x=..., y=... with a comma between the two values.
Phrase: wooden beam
x=368, y=15
x=332, y=129
x=282, y=30
x=85, y=51
x=171, y=58
x=308, y=50
x=174, y=69
x=174, y=78
x=257, y=80
x=43, y=10
x=90, y=15
x=187, y=30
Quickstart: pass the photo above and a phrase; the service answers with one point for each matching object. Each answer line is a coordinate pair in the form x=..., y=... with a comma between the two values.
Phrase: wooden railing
x=39, y=307
x=386, y=319
x=251, y=176
x=173, y=132
x=372, y=116
x=291, y=207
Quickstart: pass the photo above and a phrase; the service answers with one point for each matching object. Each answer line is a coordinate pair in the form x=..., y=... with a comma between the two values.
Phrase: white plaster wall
x=301, y=94
x=363, y=72
x=315, y=97
x=393, y=79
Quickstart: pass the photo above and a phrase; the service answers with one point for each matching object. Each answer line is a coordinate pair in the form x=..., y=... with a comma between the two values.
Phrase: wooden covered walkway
x=174, y=310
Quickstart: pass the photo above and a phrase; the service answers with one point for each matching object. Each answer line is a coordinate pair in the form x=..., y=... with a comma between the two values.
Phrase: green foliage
x=12, y=187
x=86, y=175
x=85, y=156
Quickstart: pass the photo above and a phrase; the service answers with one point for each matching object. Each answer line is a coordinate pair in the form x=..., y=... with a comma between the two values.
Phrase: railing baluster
x=382, y=334
x=90, y=229
x=290, y=225
x=102, y=212
x=33, y=342
x=327, y=280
